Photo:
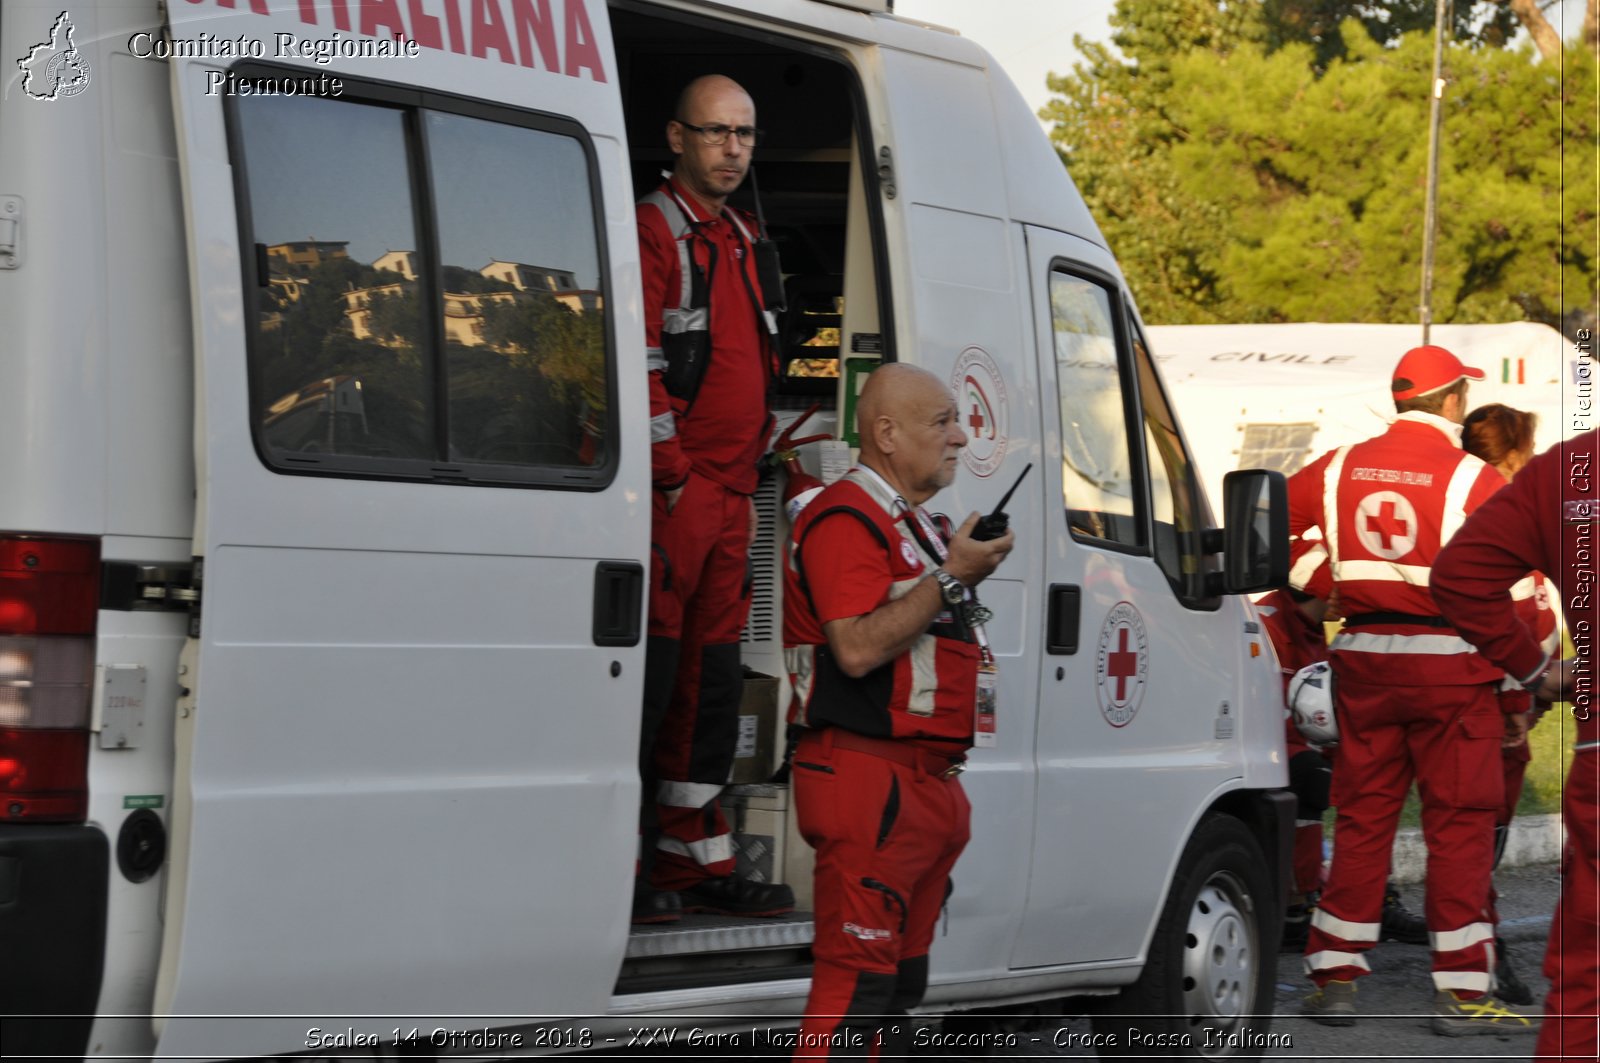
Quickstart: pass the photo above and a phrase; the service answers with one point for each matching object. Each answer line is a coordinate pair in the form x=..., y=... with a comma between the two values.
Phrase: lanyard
x=928, y=538
x=923, y=531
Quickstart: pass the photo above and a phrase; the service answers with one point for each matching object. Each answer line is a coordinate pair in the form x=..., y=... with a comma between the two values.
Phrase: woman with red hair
x=1503, y=438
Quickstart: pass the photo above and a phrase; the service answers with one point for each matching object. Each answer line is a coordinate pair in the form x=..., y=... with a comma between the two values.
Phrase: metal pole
x=1430, y=213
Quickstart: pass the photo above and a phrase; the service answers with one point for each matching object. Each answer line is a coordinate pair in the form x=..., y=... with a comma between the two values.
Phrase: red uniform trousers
x=693, y=681
x=1572, y=961
x=886, y=836
x=1448, y=738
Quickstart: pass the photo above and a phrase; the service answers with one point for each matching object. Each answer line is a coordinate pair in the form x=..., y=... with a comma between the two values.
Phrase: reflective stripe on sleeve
x=1528, y=679
x=663, y=426
x=654, y=359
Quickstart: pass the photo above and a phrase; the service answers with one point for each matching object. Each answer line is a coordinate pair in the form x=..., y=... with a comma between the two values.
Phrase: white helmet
x=1311, y=704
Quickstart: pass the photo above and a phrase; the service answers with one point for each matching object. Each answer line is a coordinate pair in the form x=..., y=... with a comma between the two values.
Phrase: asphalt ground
x=1395, y=1002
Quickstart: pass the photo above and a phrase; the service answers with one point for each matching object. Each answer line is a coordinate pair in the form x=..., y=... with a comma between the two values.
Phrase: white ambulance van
x=324, y=523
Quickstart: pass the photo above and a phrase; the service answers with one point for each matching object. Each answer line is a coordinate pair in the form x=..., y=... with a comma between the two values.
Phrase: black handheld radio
x=995, y=524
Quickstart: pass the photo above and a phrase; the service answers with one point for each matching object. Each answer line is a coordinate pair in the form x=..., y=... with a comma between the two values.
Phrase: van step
x=716, y=950
x=720, y=933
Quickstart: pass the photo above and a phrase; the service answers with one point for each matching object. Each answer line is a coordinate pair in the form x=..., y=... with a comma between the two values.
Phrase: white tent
x=1276, y=396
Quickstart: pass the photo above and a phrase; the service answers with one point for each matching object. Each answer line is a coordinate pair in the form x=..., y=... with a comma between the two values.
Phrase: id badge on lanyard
x=984, y=713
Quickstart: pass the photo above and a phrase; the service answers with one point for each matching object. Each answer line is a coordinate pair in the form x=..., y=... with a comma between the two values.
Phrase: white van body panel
x=1176, y=751
x=368, y=626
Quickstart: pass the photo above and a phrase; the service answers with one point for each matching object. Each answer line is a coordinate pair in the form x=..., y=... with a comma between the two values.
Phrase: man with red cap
x=1545, y=520
x=1413, y=699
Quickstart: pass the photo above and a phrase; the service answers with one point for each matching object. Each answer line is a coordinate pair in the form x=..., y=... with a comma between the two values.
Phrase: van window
x=428, y=291
x=1097, y=472
x=1177, y=508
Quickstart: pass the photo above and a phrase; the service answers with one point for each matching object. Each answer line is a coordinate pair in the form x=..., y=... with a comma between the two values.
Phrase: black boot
x=1509, y=987
x=652, y=906
x=1400, y=924
x=1297, y=924
x=738, y=896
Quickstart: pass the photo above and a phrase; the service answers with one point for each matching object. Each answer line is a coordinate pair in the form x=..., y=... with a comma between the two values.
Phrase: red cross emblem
x=1387, y=525
x=1124, y=657
x=1122, y=664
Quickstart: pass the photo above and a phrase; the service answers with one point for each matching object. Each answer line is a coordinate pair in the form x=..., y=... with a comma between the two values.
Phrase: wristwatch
x=953, y=590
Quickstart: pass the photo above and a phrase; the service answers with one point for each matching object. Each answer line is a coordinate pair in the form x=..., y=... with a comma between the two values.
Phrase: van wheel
x=1206, y=989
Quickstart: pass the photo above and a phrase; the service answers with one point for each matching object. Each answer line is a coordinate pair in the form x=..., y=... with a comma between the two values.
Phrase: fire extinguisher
x=802, y=486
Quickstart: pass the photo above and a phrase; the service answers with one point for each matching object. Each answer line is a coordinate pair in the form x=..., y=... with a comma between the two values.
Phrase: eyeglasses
x=718, y=134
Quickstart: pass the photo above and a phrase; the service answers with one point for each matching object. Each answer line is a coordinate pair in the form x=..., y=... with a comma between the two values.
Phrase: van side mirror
x=1255, y=531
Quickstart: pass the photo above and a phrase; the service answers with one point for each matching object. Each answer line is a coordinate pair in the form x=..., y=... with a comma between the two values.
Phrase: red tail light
x=49, y=598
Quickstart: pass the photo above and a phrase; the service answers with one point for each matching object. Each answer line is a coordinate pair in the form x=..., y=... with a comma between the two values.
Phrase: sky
x=1033, y=38
x=1029, y=38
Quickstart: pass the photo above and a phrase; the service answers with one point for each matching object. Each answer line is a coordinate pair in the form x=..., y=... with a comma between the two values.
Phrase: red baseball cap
x=1425, y=369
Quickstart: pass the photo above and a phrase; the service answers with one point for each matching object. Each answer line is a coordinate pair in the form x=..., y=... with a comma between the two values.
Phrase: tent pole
x=1431, y=211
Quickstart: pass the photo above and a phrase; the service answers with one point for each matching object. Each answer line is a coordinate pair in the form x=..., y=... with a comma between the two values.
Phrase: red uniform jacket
x=1385, y=507
x=851, y=556
x=1547, y=519
x=722, y=432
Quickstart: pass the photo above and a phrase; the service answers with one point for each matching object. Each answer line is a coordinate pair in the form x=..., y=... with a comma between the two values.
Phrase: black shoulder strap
x=799, y=566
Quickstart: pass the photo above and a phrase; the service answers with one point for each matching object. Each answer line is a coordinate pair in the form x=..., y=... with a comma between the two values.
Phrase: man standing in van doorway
x=711, y=359
x=1412, y=698
x=887, y=657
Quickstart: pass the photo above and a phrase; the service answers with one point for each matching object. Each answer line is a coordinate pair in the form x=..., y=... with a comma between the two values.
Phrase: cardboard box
x=755, y=756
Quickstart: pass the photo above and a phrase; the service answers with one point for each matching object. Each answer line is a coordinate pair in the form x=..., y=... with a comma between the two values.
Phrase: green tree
x=1239, y=178
x=1324, y=179
x=1112, y=127
x=1319, y=22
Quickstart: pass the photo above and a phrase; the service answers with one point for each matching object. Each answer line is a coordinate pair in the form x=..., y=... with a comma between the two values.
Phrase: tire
x=1206, y=988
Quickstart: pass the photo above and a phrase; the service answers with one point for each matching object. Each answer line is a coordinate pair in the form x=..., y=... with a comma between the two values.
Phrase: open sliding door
x=407, y=782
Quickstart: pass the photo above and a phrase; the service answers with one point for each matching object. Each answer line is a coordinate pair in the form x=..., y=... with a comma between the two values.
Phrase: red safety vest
x=1388, y=506
x=927, y=694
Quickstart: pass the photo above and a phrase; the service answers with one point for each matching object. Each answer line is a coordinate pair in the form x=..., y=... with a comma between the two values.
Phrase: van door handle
x=1065, y=603
x=618, y=593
